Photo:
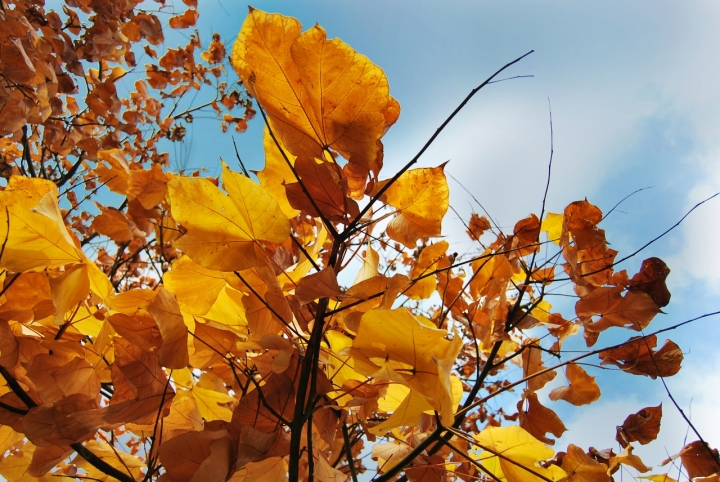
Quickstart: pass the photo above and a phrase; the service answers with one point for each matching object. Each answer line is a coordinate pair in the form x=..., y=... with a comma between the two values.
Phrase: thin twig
x=237, y=154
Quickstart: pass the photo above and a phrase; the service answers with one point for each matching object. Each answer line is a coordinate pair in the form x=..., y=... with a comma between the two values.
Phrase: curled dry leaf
x=637, y=357
x=582, y=468
x=642, y=426
x=698, y=459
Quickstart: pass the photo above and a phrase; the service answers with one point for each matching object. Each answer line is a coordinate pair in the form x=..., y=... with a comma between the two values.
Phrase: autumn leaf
x=318, y=285
x=318, y=93
x=37, y=235
x=186, y=20
x=582, y=390
x=581, y=468
x=627, y=458
x=412, y=350
x=276, y=174
x=637, y=357
x=698, y=459
x=421, y=197
x=642, y=426
x=224, y=230
x=532, y=364
x=635, y=310
x=539, y=420
x=651, y=280
x=515, y=455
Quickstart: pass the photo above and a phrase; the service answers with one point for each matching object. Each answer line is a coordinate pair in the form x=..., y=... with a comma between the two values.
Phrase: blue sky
x=635, y=103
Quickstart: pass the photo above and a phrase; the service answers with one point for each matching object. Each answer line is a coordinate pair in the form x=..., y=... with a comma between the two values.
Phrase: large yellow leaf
x=422, y=198
x=318, y=93
x=212, y=405
x=37, y=236
x=407, y=414
x=223, y=231
x=413, y=351
x=276, y=174
x=520, y=455
x=195, y=287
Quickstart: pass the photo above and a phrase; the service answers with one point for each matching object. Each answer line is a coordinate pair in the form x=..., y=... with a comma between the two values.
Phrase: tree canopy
x=304, y=322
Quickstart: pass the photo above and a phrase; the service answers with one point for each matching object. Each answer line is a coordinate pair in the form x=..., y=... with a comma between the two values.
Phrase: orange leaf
x=651, y=280
x=318, y=93
x=642, y=427
x=539, y=420
x=532, y=363
x=164, y=308
x=323, y=284
x=186, y=20
x=582, y=390
x=581, y=468
x=637, y=357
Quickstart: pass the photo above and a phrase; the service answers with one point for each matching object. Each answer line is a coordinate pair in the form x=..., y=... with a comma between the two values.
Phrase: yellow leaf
x=520, y=454
x=37, y=234
x=413, y=350
x=369, y=267
x=228, y=310
x=119, y=459
x=209, y=404
x=8, y=438
x=553, y=225
x=493, y=271
x=630, y=459
x=99, y=282
x=69, y=289
x=276, y=174
x=422, y=198
x=407, y=414
x=195, y=287
x=223, y=231
x=318, y=93
x=658, y=478
x=426, y=263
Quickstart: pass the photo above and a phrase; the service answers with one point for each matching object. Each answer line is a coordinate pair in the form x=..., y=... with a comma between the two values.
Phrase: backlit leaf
x=223, y=230
x=582, y=390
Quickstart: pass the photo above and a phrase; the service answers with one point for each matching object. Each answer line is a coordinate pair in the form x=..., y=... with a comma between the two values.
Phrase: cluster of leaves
x=225, y=339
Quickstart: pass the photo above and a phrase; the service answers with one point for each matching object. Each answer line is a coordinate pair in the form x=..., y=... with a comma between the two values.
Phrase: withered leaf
x=637, y=357
x=642, y=426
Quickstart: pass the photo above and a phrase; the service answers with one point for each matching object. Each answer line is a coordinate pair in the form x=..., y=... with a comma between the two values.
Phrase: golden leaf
x=582, y=390
x=581, y=468
x=318, y=93
x=520, y=455
x=422, y=198
x=416, y=352
x=223, y=231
